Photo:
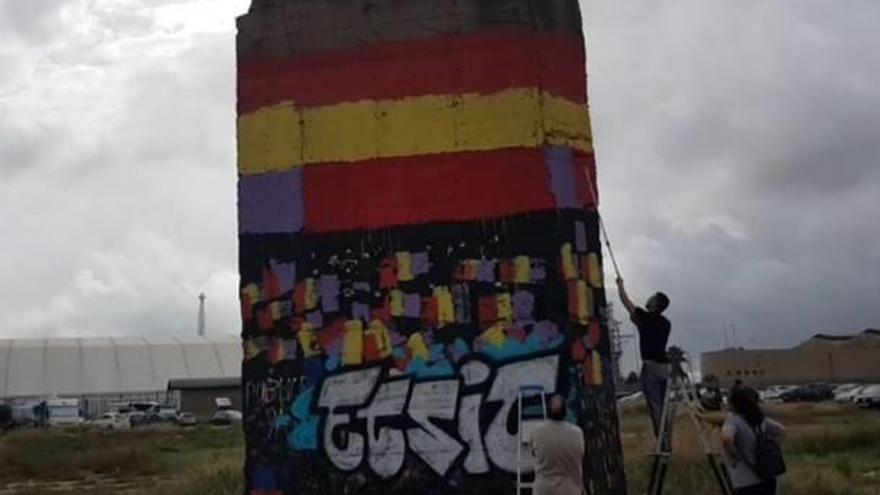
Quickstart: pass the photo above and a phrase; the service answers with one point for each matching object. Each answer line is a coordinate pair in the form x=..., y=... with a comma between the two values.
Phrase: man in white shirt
x=559, y=453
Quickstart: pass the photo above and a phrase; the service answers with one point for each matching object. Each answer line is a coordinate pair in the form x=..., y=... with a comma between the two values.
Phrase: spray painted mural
x=417, y=242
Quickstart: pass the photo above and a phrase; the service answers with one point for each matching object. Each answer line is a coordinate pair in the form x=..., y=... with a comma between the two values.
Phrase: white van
x=63, y=412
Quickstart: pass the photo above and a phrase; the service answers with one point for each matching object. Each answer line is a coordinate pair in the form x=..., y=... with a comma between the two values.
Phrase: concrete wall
x=794, y=366
x=417, y=241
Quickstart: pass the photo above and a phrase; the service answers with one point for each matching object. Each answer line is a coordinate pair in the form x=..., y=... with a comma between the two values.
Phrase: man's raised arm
x=624, y=298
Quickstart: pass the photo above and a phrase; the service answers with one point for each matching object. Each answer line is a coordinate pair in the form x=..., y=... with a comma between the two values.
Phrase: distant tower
x=201, y=329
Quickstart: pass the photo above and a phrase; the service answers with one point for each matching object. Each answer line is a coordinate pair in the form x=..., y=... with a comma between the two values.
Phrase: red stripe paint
x=446, y=187
x=483, y=63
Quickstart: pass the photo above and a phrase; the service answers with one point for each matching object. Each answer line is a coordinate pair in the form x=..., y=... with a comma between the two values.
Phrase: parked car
x=774, y=393
x=226, y=417
x=186, y=419
x=168, y=414
x=815, y=392
x=868, y=396
x=848, y=395
x=30, y=414
x=225, y=414
x=110, y=421
x=137, y=418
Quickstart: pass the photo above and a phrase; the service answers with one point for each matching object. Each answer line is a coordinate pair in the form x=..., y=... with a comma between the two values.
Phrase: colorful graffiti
x=417, y=241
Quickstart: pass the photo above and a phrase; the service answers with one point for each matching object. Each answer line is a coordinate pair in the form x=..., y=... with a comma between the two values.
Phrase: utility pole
x=201, y=329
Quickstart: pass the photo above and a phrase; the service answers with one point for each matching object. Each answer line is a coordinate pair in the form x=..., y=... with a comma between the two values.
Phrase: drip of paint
x=522, y=270
x=569, y=270
x=397, y=306
x=417, y=347
x=404, y=267
x=445, y=307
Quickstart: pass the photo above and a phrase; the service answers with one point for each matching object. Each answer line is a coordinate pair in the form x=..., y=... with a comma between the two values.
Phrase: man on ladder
x=654, y=331
x=665, y=384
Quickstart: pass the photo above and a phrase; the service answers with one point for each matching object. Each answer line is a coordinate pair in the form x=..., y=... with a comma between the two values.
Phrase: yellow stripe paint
x=283, y=137
x=353, y=342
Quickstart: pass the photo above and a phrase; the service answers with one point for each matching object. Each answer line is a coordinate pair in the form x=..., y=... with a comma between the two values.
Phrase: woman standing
x=745, y=436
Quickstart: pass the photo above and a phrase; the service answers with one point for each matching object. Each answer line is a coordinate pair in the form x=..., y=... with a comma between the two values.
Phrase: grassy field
x=831, y=450
x=198, y=461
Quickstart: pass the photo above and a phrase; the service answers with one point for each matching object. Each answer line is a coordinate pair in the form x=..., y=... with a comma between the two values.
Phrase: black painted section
x=280, y=29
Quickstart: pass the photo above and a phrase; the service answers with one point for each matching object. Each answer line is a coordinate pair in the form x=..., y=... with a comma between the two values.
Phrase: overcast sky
x=738, y=144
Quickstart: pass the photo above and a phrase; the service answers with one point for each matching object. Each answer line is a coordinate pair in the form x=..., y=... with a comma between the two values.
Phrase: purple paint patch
x=335, y=348
x=315, y=318
x=271, y=203
x=459, y=349
x=523, y=305
x=420, y=264
x=560, y=162
x=290, y=348
x=580, y=237
x=539, y=271
x=486, y=271
x=397, y=339
x=546, y=330
x=286, y=273
x=329, y=288
x=360, y=311
x=412, y=305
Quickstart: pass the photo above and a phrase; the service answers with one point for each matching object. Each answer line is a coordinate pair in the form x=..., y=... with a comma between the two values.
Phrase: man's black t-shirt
x=653, y=335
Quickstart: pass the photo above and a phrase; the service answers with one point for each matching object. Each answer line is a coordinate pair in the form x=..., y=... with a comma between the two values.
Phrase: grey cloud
x=31, y=20
x=131, y=215
x=23, y=150
x=735, y=143
x=739, y=162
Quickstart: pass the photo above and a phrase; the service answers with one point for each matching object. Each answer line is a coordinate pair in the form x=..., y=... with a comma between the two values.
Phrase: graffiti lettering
x=434, y=400
x=473, y=373
x=345, y=447
x=391, y=423
x=387, y=446
x=501, y=443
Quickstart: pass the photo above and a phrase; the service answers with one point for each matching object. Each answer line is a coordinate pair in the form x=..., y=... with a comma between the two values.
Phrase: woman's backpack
x=769, y=462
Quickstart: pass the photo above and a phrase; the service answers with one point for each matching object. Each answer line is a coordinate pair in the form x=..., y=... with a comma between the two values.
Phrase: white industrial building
x=100, y=371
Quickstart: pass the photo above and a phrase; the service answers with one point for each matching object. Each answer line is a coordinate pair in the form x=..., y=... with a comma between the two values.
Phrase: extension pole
x=592, y=189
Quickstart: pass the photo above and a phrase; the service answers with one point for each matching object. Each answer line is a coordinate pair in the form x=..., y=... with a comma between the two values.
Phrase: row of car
x=132, y=419
x=865, y=395
x=126, y=420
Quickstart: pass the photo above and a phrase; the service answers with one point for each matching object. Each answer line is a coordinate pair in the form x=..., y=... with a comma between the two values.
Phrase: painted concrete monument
x=417, y=241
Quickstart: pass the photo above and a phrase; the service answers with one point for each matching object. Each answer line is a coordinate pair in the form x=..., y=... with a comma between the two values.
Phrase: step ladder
x=681, y=391
x=527, y=416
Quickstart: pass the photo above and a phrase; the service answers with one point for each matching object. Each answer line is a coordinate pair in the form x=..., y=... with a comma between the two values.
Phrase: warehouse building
x=199, y=395
x=106, y=371
x=822, y=358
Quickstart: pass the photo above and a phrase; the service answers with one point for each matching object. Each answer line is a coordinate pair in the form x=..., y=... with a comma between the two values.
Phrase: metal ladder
x=523, y=439
x=680, y=390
